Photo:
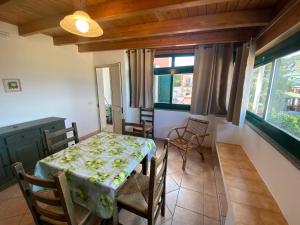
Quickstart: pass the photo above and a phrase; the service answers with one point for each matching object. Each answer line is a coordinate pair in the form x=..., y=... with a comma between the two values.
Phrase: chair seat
x=182, y=144
x=134, y=194
x=80, y=212
x=147, y=128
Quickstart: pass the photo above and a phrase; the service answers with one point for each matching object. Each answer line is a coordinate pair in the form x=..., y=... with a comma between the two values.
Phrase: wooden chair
x=58, y=140
x=189, y=137
x=147, y=116
x=133, y=129
x=146, y=196
x=53, y=206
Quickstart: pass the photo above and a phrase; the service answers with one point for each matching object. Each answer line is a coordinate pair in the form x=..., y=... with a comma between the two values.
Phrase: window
x=259, y=89
x=173, y=81
x=274, y=100
x=284, y=105
x=184, y=61
x=274, y=93
x=162, y=62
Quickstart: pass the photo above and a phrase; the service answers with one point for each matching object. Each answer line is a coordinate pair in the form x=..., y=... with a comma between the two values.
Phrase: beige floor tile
x=220, y=186
x=10, y=192
x=190, y=200
x=271, y=218
x=253, y=199
x=27, y=219
x=128, y=218
x=210, y=221
x=161, y=219
x=174, y=166
x=211, y=207
x=193, y=182
x=171, y=199
x=223, y=204
x=177, y=177
x=171, y=185
x=223, y=220
x=186, y=217
x=12, y=220
x=246, y=215
x=169, y=222
x=210, y=187
x=12, y=207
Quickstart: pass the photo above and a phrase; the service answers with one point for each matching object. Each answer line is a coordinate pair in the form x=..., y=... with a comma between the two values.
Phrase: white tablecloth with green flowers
x=97, y=167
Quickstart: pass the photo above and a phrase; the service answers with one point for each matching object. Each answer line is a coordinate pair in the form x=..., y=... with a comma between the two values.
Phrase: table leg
x=115, y=217
x=145, y=165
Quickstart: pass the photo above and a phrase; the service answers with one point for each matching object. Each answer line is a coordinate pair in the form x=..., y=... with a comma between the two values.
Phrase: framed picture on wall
x=12, y=85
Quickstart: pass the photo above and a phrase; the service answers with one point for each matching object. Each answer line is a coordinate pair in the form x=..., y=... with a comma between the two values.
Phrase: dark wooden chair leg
x=145, y=165
x=202, y=156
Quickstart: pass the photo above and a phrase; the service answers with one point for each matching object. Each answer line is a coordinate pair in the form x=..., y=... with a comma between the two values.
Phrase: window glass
x=284, y=106
x=162, y=62
x=259, y=89
x=182, y=88
x=162, y=88
x=184, y=60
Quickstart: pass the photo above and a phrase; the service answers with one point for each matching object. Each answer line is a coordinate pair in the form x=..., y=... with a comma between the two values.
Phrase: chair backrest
x=195, y=126
x=128, y=129
x=147, y=115
x=157, y=184
x=58, y=140
x=47, y=207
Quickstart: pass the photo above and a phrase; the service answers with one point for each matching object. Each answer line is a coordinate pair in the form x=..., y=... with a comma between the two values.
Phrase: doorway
x=110, y=97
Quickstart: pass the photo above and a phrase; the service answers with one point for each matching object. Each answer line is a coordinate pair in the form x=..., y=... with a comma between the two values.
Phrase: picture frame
x=12, y=85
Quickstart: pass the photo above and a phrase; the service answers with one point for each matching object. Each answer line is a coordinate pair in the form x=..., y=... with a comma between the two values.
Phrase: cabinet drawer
x=23, y=136
x=4, y=160
x=53, y=127
x=1, y=143
x=5, y=174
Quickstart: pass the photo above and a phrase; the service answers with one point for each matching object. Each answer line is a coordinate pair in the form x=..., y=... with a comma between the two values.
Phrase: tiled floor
x=192, y=197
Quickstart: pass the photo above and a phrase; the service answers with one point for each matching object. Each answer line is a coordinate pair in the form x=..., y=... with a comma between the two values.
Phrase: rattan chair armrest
x=195, y=136
x=175, y=129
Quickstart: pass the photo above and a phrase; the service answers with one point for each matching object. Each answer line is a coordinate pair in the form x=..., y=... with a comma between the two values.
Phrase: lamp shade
x=80, y=23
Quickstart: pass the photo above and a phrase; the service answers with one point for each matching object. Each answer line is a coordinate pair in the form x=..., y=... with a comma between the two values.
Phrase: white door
x=116, y=87
x=110, y=97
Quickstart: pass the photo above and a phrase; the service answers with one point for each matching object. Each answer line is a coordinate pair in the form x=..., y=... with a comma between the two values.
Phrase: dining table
x=97, y=167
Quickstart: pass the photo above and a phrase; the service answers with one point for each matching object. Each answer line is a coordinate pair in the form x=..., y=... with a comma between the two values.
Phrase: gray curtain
x=221, y=84
x=239, y=96
x=141, y=77
x=212, y=79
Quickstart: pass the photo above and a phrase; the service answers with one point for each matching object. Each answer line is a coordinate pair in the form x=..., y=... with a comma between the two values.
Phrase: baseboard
x=89, y=135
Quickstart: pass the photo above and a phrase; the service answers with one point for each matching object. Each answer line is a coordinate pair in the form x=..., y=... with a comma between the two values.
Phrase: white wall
x=118, y=56
x=56, y=81
x=281, y=177
x=168, y=119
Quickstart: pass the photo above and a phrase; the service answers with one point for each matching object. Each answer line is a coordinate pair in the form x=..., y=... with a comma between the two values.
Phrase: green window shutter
x=289, y=45
x=164, y=88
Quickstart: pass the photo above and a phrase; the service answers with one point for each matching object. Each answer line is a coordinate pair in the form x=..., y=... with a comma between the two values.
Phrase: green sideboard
x=24, y=143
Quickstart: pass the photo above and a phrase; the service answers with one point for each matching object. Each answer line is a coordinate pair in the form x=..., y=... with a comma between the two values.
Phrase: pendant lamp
x=80, y=23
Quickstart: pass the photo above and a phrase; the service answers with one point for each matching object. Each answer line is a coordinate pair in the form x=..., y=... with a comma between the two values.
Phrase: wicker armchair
x=189, y=137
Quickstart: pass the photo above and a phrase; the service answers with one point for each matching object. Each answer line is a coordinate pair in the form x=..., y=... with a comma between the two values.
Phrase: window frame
x=170, y=71
x=281, y=138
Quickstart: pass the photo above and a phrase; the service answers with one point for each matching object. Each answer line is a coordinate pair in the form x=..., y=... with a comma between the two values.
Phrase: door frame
x=97, y=95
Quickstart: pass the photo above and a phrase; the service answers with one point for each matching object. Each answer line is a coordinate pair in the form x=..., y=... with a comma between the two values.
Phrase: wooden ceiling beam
x=112, y=10
x=228, y=20
x=3, y=1
x=228, y=36
x=281, y=27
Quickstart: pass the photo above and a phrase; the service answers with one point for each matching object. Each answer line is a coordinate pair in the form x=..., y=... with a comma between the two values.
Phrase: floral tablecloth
x=97, y=167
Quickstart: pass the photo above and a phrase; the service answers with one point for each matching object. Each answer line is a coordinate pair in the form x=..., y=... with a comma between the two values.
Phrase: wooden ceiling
x=145, y=23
